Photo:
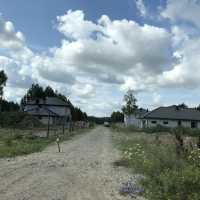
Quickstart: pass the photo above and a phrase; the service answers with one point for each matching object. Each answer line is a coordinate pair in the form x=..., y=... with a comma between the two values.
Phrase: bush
x=157, y=129
x=8, y=142
x=18, y=120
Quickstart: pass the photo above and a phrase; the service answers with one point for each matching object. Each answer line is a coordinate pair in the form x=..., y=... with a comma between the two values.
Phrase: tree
x=36, y=92
x=182, y=106
x=49, y=92
x=3, y=79
x=117, y=116
x=9, y=106
x=130, y=101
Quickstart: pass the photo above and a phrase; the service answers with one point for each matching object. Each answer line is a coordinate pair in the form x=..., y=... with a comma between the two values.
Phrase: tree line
x=33, y=93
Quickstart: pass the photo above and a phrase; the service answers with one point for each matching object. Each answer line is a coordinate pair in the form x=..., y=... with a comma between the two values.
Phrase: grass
x=22, y=142
x=169, y=176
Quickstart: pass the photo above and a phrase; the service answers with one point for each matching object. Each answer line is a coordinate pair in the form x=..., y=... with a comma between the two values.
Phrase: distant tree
x=9, y=106
x=49, y=92
x=130, y=103
x=198, y=107
x=183, y=106
x=3, y=79
x=117, y=116
x=35, y=92
x=98, y=120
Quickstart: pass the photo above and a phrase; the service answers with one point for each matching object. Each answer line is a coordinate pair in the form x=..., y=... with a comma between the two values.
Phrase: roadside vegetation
x=21, y=133
x=170, y=161
x=15, y=142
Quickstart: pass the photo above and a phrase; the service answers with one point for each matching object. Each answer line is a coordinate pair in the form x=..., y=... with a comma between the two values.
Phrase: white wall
x=131, y=120
x=171, y=123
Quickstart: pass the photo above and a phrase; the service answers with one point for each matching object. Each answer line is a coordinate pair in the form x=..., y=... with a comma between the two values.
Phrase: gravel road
x=82, y=171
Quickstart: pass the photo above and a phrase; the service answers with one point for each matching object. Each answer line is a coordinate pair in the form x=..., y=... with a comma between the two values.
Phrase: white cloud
x=9, y=38
x=185, y=73
x=116, y=50
x=184, y=10
x=93, y=56
x=141, y=7
x=83, y=90
x=73, y=25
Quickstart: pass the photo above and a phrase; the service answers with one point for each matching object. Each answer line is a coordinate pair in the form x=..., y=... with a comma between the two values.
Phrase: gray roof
x=174, y=113
x=41, y=111
x=140, y=112
x=48, y=101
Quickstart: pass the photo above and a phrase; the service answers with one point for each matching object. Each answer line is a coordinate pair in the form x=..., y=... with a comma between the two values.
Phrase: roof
x=41, y=111
x=140, y=112
x=174, y=113
x=48, y=101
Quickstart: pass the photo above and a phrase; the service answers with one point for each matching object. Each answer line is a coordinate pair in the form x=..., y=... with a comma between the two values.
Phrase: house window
x=153, y=122
x=165, y=122
x=179, y=123
x=193, y=124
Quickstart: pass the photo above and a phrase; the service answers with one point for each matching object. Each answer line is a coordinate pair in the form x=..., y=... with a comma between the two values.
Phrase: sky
x=94, y=51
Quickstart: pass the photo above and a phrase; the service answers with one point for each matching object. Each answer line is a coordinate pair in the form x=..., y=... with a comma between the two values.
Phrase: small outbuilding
x=135, y=118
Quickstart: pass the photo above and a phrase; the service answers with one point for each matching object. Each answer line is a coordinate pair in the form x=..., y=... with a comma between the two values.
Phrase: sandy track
x=82, y=171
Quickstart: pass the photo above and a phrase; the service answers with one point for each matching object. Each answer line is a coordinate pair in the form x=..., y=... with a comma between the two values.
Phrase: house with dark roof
x=50, y=110
x=135, y=118
x=172, y=116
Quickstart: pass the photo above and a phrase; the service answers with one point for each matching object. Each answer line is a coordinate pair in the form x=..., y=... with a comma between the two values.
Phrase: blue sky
x=36, y=18
x=145, y=45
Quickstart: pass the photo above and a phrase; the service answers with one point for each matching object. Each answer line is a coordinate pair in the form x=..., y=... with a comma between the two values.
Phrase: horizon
x=93, y=52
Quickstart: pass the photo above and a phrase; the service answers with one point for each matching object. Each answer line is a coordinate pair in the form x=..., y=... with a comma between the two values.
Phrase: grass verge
x=22, y=142
x=169, y=176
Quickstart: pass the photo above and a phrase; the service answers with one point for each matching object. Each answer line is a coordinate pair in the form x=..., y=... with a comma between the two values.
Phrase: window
x=193, y=124
x=165, y=122
x=153, y=122
x=179, y=123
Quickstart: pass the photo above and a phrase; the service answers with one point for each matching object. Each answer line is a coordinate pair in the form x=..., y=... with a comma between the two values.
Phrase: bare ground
x=82, y=171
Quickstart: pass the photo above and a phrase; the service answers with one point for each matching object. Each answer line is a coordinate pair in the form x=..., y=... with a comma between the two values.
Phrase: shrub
x=8, y=142
x=18, y=120
x=157, y=129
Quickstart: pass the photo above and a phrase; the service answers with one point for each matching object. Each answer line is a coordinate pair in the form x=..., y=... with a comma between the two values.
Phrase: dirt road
x=82, y=171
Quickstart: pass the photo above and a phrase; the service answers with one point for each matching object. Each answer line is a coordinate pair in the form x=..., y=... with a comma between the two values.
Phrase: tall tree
x=35, y=92
x=130, y=103
x=49, y=92
x=3, y=79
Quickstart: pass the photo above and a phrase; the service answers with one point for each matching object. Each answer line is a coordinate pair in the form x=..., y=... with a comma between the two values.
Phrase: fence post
x=48, y=126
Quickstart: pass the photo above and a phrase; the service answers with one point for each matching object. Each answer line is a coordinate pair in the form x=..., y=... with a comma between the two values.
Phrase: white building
x=172, y=116
x=50, y=110
x=135, y=119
